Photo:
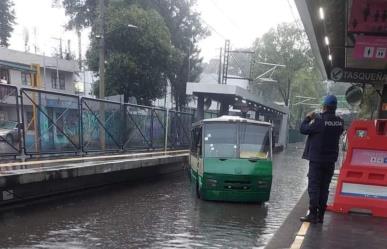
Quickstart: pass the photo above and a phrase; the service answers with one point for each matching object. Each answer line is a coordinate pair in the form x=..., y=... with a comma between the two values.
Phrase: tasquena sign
x=357, y=75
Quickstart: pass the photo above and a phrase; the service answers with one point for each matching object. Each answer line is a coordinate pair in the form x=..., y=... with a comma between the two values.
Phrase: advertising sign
x=370, y=47
x=357, y=75
x=368, y=16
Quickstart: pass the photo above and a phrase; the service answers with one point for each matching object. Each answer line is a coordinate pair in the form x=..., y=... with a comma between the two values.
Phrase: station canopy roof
x=348, y=38
x=235, y=96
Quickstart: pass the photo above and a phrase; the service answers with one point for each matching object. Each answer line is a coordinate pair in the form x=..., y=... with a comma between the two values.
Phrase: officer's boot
x=321, y=212
x=311, y=216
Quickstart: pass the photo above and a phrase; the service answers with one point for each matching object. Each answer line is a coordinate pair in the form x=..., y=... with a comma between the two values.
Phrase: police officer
x=321, y=149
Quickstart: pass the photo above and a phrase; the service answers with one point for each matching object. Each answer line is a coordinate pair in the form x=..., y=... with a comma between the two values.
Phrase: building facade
x=21, y=70
x=45, y=116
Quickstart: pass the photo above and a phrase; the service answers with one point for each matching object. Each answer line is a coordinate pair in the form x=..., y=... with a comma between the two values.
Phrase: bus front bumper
x=235, y=195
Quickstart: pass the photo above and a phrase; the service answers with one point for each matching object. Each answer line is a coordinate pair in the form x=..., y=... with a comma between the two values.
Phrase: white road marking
x=297, y=243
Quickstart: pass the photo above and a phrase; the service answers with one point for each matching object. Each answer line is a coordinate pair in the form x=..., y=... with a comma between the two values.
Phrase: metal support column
x=224, y=107
x=200, y=108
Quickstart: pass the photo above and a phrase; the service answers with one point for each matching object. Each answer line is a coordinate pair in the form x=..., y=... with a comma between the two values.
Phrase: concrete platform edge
x=285, y=235
x=20, y=188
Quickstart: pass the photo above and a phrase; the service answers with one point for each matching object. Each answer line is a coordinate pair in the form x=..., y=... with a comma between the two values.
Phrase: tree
x=136, y=59
x=286, y=45
x=306, y=82
x=185, y=29
x=7, y=20
x=82, y=13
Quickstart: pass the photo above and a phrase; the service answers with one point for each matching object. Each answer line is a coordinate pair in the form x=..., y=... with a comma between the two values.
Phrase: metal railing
x=101, y=125
x=179, y=129
x=146, y=127
x=10, y=135
x=58, y=123
x=50, y=122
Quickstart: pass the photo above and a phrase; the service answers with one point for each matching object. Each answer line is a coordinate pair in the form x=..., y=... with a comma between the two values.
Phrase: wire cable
x=213, y=29
x=229, y=19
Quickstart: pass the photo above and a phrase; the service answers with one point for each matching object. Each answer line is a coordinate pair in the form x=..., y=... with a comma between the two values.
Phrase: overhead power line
x=213, y=29
x=229, y=19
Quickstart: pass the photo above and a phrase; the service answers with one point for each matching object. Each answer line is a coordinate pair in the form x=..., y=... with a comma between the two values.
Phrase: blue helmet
x=330, y=100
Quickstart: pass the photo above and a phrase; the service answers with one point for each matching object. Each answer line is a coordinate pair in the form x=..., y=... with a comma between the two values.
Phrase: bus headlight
x=262, y=184
x=211, y=182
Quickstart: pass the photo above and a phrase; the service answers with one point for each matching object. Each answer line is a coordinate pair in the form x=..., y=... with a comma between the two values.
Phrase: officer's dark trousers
x=319, y=176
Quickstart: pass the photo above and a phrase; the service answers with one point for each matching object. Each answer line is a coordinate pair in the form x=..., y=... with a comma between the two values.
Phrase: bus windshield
x=220, y=140
x=254, y=141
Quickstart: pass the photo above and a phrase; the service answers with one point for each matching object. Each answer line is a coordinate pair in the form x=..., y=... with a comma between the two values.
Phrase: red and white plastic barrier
x=362, y=183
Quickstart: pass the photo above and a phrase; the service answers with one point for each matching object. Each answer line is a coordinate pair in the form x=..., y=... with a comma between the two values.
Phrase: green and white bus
x=231, y=159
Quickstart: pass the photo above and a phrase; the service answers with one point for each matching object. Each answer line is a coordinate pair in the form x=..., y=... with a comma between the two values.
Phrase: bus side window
x=196, y=144
x=199, y=142
x=193, y=140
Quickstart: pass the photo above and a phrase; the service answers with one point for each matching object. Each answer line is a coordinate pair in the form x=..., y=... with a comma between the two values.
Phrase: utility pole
x=60, y=53
x=102, y=70
x=225, y=61
x=60, y=48
x=79, y=48
x=220, y=67
x=189, y=62
x=102, y=49
x=288, y=93
x=68, y=55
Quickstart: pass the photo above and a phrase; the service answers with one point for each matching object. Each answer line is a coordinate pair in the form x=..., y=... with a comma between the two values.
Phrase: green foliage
x=286, y=45
x=368, y=109
x=136, y=58
x=306, y=82
x=185, y=29
x=7, y=20
x=82, y=13
x=289, y=46
x=339, y=88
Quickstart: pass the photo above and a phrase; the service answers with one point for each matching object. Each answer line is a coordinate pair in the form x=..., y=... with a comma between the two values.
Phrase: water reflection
x=157, y=214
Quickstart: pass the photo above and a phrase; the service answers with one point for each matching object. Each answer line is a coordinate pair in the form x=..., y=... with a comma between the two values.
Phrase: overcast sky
x=241, y=21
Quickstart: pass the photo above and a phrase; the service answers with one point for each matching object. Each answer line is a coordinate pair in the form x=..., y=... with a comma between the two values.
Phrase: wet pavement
x=160, y=213
x=346, y=231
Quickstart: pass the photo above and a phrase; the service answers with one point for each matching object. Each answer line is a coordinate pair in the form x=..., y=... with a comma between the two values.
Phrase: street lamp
x=99, y=36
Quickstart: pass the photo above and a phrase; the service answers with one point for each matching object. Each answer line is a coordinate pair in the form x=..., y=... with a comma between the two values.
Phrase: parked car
x=9, y=131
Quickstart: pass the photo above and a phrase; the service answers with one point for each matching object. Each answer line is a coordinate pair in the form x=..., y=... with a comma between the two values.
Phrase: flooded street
x=162, y=213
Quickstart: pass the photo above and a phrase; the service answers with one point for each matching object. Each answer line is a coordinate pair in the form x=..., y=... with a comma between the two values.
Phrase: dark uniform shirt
x=323, y=133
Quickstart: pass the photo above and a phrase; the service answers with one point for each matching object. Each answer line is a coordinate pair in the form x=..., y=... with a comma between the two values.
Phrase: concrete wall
x=30, y=184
